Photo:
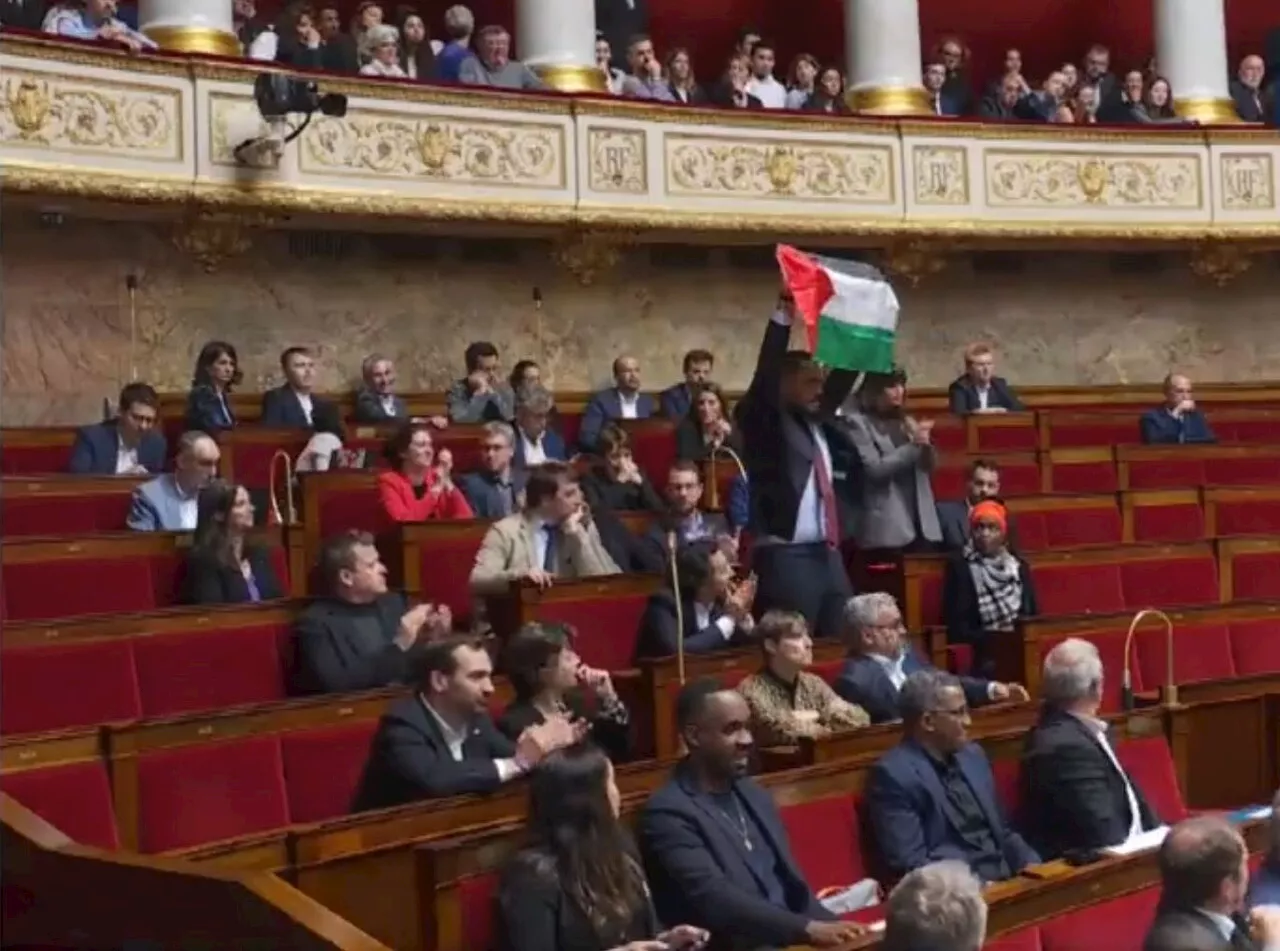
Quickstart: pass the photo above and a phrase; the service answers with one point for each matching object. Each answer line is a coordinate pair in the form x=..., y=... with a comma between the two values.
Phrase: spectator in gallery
x=762, y=84
x=459, y=24
x=482, y=395
x=644, y=72
x=292, y=405
x=224, y=565
x=802, y=80
x=168, y=502
x=417, y=53
x=380, y=49
x=828, y=95
x=941, y=102
x=536, y=441
x=376, y=400
x=493, y=65
x=126, y=445
x=419, y=485
x=617, y=21
x=613, y=78
x=957, y=87
x=681, y=80
x=338, y=52
x=1178, y=421
x=732, y=92
x=623, y=400
x=696, y=367
x=1246, y=89
x=94, y=20
x=706, y=428
x=978, y=389
x=299, y=41
x=217, y=373
x=1003, y=102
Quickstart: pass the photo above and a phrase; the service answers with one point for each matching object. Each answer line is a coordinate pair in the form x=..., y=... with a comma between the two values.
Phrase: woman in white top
x=382, y=49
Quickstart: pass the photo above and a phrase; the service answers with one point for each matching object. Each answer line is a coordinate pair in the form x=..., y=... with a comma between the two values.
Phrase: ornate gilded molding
x=913, y=261
x=1248, y=181
x=210, y=238
x=616, y=160
x=588, y=254
x=1219, y=262
x=1058, y=179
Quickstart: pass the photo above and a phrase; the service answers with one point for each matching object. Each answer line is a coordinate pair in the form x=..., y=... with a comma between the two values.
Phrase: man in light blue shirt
x=645, y=79
x=168, y=502
x=94, y=20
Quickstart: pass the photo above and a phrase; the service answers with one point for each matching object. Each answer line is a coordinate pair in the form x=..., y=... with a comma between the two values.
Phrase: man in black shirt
x=361, y=636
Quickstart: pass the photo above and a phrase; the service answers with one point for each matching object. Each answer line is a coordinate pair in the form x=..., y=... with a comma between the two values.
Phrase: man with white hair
x=937, y=906
x=376, y=400
x=881, y=657
x=459, y=24
x=1076, y=797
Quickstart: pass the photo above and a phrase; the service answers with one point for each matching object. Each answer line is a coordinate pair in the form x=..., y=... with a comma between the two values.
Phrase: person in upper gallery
x=623, y=400
x=338, y=50
x=706, y=429
x=1076, y=796
x=618, y=21
x=1246, y=89
x=419, y=485
x=714, y=846
x=715, y=610
x=681, y=80
x=493, y=66
x=616, y=482
x=298, y=43
x=677, y=400
x=786, y=700
x=577, y=884
x=167, y=503
x=935, y=907
x=94, y=20
x=1204, y=877
x=459, y=25
x=441, y=741
x=380, y=48
x=496, y=489
x=1264, y=889
x=643, y=78
x=376, y=400
x=481, y=396
x=550, y=679
x=982, y=485
x=828, y=95
x=978, y=389
x=986, y=588
x=771, y=93
x=216, y=374
x=553, y=537
x=731, y=92
x=224, y=566
x=685, y=519
x=292, y=404
x=126, y=445
x=359, y=635
x=798, y=456
x=418, y=56
x=882, y=657
x=894, y=508
x=1177, y=421
x=933, y=796
x=536, y=441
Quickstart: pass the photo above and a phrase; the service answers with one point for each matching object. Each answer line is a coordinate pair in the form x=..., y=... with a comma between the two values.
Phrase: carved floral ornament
x=913, y=261
x=1056, y=180
x=210, y=238
x=1220, y=262
x=588, y=254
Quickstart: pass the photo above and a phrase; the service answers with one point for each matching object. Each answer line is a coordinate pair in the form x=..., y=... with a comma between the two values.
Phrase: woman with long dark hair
x=707, y=428
x=578, y=885
x=223, y=566
x=216, y=374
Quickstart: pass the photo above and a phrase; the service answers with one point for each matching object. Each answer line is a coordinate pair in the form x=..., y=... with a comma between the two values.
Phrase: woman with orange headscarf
x=987, y=589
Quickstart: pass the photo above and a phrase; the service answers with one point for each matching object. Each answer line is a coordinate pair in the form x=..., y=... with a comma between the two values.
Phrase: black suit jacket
x=963, y=396
x=329, y=658
x=779, y=448
x=700, y=875
x=97, y=445
x=610, y=735
x=280, y=407
x=207, y=413
x=369, y=408
x=1175, y=929
x=960, y=601
x=659, y=632
x=1249, y=107
x=1073, y=797
x=210, y=581
x=618, y=21
x=410, y=759
x=864, y=681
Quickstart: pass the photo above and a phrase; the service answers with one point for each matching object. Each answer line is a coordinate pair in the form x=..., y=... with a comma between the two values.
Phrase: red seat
x=1124, y=922
x=1150, y=764
x=1249, y=516
x=1168, y=524
x=75, y=798
x=1081, y=471
x=247, y=454
x=826, y=841
x=1261, y=470
x=1007, y=434
x=444, y=568
x=607, y=626
x=463, y=443
x=68, y=587
x=35, y=459
x=66, y=514
x=476, y=896
x=1028, y=939
x=1255, y=576
x=1031, y=531
x=1019, y=478
x=208, y=792
x=1164, y=581
x=1255, y=646
x=1065, y=528
x=322, y=769
x=358, y=508
x=1008, y=777
x=653, y=446
x=67, y=685
x=1068, y=432
x=1200, y=652
x=1166, y=474
x=1073, y=588
x=179, y=673
x=931, y=599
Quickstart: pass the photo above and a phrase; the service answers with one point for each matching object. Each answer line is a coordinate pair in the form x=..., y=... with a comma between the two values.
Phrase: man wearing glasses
x=933, y=796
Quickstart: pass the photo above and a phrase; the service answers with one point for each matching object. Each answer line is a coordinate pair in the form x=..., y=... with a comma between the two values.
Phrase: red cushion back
x=322, y=769
x=251, y=460
x=476, y=896
x=66, y=514
x=1028, y=939
x=358, y=508
x=60, y=686
x=1248, y=517
x=653, y=446
x=1255, y=646
x=1170, y=581
x=69, y=587
x=825, y=841
x=1124, y=922
x=1258, y=471
x=1166, y=474
x=444, y=573
x=75, y=798
x=1255, y=577
x=1084, y=478
x=36, y=460
x=1083, y=526
x=1110, y=646
x=1066, y=433
x=1008, y=777
x=1072, y=588
x=1150, y=764
x=463, y=443
x=1168, y=523
x=607, y=627
x=178, y=673
x=1009, y=435
x=1019, y=478
x=1031, y=531
x=1200, y=652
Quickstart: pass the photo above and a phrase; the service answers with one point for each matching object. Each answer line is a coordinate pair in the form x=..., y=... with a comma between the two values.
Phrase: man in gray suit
x=894, y=508
x=168, y=502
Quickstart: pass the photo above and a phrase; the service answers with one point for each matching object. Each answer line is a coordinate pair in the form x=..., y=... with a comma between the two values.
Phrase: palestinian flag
x=849, y=310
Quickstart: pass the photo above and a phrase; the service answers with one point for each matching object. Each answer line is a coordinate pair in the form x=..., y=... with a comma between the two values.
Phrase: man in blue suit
x=126, y=445
x=1177, y=421
x=169, y=502
x=676, y=400
x=933, y=796
x=623, y=400
x=882, y=657
x=535, y=441
x=979, y=390
x=715, y=850
x=496, y=489
x=294, y=405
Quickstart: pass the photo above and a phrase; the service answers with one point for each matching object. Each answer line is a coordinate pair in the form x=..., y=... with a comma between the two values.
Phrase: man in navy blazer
x=714, y=847
x=495, y=490
x=953, y=514
x=882, y=657
x=979, y=390
x=293, y=405
x=376, y=400
x=535, y=441
x=1177, y=421
x=933, y=796
x=623, y=400
x=676, y=400
x=126, y=445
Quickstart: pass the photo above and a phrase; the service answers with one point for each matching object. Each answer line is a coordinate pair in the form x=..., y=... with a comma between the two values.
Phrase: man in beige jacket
x=552, y=538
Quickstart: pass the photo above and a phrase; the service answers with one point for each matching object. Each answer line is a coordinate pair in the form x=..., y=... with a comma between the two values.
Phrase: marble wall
x=1058, y=318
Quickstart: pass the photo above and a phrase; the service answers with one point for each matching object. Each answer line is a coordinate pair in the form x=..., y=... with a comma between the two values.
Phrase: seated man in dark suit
x=1204, y=874
x=1178, y=420
x=676, y=400
x=293, y=405
x=1246, y=89
x=714, y=847
x=933, y=796
x=126, y=445
x=361, y=635
x=496, y=489
x=376, y=400
x=979, y=390
x=684, y=518
x=1076, y=797
x=536, y=442
x=953, y=516
x=716, y=612
x=441, y=742
x=935, y=907
x=623, y=400
x=882, y=657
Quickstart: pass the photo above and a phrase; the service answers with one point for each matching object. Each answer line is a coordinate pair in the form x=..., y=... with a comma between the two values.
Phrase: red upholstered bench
x=1054, y=521
x=1248, y=426
x=435, y=559
x=1255, y=646
x=247, y=452
x=605, y=612
x=1081, y=471
x=1124, y=921
x=1069, y=587
x=1165, y=516
x=1250, y=568
x=63, y=779
x=59, y=686
x=1162, y=575
x=653, y=446
x=322, y=768
x=1149, y=762
x=1026, y=939
x=1187, y=467
x=1067, y=430
x=1200, y=652
x=1233, y=511
x=36, y=450
x=64, y=505
x=1003, y=432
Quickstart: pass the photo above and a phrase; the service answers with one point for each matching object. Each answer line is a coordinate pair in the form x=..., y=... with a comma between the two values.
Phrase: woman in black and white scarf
x=987, y=589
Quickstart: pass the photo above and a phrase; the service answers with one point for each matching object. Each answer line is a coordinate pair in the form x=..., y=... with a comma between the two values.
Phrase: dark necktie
x=826, y=497
x=552, y=557
x=1240, y=940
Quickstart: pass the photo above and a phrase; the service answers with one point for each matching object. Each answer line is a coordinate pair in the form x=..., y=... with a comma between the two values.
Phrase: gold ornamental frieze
x=1084, y=180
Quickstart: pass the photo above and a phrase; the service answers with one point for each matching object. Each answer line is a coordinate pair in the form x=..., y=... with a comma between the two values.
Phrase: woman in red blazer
x=418, y=487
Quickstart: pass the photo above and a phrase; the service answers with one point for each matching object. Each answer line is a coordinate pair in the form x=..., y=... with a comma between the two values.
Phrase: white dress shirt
x=189, y=514
x=984, y=394
x=534, y=454
x=702, y=617
x=455, y=739
x=1098, y=730
x=771, y=93
x=388, y=404
x=629, y=404
x=304, y=400
x=126, y=458
x=893, y=668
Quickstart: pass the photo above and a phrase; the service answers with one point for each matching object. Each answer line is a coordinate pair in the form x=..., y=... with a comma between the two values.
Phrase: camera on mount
x=278, y=96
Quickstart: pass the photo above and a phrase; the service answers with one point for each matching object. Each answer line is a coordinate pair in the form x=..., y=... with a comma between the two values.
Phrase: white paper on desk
x=1140, y=842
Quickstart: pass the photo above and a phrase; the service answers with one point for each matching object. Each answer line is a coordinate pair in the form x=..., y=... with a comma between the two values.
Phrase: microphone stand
x=131, y=284
x=290, y=509
x=672, y=543
x=1170, y=692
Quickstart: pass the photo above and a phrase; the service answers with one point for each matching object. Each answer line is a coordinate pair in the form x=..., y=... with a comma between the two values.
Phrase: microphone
x=1127, y=701
x=673, y=543
x=131, y=285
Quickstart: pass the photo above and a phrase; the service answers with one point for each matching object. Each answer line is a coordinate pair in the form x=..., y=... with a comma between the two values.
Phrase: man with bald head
x=1246, y=89
x=168, y=502
x=1177, y=421
x=623, y=400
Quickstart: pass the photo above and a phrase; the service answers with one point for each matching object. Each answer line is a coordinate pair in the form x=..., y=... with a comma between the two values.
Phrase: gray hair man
x=1076, y=795
x=881, y=657
x=935, y=907
x=935, y=783
x=536, y=442
x=496, y=489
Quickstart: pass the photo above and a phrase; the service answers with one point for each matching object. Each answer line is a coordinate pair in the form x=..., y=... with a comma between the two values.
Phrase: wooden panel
x=181, y=620
x=50, y=749
x=1214, y=497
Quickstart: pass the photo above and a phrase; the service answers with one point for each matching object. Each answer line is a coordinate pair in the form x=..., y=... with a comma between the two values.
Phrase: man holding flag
x=799, y=458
